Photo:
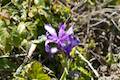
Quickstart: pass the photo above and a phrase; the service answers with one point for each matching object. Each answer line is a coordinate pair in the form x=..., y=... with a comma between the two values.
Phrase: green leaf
x=8, y=45
x=72, y=53
x=84, y=71
x=31, y=71
x=60, y=8
x=6, y=65
x=21, y=27
x=91, y=43
x=40, y=2
x=114, y=2
x=4, y=36
x=32, y=28
x=109, y=58
x=17, y=36
x=2, y=23
x=4, y=2
x=16, y=39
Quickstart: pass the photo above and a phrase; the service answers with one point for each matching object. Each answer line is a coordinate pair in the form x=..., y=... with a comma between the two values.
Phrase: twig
x=31, y=50
x=88, y=31
x=5, y=5
x=104, y=20
x=15, y=56
x=110, y=43
x=115, y=24
x=89, y=64
x=23, y=49
x=33, y=47
x=98, y=57
x=28, y=56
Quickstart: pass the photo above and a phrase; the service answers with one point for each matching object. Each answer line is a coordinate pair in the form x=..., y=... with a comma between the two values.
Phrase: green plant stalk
x=66, y=64
x=65, y=73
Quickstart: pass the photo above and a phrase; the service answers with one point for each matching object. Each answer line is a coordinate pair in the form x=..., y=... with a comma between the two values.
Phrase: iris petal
x=51, y=37
x=74, y=41
x=47, y=47
x=70, y=31
x=71, y=42
x=61, y=30
x=51, y=30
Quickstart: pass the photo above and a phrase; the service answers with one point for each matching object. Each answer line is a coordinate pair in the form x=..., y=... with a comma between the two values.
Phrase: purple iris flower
x=65, y=40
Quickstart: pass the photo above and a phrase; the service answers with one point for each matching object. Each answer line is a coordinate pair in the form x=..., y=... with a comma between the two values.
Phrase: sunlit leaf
x=84, y=71
x=40, y=2
x=21, y=27
x=2, y=23
x=32, y=70
x=4, y=35
x=72, y=53
x=109, y=58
